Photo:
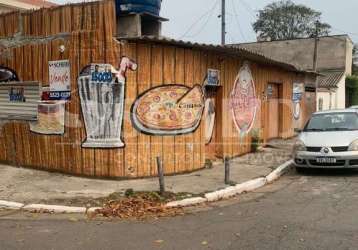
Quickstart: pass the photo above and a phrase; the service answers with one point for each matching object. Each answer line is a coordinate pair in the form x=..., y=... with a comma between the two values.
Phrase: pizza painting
x=168, y=110
x=243, y=103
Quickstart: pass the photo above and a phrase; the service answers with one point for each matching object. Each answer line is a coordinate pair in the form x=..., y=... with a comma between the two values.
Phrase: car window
x=333, y=122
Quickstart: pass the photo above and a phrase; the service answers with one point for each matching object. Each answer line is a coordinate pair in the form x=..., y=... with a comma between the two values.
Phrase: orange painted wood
x=198, y=78
x=130, y=134
x=179, y=139
x=168, y=78
x=273, y=105
x=144, y=83
x=92, y=27
x=189, y=81
x=156, y=80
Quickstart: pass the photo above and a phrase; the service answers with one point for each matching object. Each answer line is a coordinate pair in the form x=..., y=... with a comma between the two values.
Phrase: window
x=333, y=122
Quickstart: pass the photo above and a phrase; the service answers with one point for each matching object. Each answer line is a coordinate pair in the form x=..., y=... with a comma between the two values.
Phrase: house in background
x=334, y=63
x=12, y=5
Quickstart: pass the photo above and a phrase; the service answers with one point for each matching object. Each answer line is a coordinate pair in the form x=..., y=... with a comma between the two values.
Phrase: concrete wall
x=334, y=96
x=333, y=52
x=341, y=94
x=327, y=97
x=349, y=57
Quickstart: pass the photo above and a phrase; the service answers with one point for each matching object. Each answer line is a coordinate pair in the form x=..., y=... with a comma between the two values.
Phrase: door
x=273, y=110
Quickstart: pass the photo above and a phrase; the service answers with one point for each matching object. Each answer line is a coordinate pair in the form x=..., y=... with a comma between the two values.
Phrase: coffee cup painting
x=101, y=90
x=243, y=102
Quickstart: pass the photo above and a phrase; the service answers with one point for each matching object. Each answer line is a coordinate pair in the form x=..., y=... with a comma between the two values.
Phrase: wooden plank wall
x=92, y=27
x=226, y=139
x=59, y=19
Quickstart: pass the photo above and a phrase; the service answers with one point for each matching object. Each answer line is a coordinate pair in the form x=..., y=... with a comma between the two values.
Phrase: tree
x=355, y=60
x=287, y=20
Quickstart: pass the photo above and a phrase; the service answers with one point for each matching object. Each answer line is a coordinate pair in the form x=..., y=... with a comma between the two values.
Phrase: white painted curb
x=93, y=209
x=212, y=196
x=235, y=190
x=54, y=208
x=278, y=172
x=186, y=202
x=11, y=205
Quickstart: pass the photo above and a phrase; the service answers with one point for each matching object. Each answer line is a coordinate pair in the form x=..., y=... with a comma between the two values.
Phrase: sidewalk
x=25, y=185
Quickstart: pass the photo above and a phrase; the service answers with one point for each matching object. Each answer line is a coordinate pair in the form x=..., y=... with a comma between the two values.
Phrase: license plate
x=326, y=160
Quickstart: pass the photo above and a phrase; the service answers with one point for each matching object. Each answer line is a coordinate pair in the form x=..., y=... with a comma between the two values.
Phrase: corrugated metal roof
x=330, y=79
x=227, y=49
x=39, y=3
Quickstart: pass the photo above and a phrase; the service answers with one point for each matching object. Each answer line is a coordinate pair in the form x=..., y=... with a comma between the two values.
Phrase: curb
x=11, y=205
x=54, y=209
x=235, y=190
x=208, y=197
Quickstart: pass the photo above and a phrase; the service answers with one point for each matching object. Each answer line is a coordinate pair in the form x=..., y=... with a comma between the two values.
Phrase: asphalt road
x=317, y=210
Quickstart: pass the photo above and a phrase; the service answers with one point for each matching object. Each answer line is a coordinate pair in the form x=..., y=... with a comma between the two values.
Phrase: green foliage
x=256, y=139
x=287, y=20
x=355, y=60
x=352, y=82
x=352, y=90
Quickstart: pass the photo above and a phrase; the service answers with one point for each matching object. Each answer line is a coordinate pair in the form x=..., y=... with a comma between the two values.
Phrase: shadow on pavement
x=327, y=172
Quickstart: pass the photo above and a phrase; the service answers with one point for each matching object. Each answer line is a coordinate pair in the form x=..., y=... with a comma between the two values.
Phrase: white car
x=329, y=140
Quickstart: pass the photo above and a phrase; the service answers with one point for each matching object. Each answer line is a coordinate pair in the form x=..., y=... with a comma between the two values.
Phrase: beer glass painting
x=101, y=90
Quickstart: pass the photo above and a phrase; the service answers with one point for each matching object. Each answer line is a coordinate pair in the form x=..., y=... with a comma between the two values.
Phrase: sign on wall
x=60, y=80
x=101, y=91
x=213, y=77
x=168, y=110
x=269, y=90
x=243, y=102
x=298, y=90
x=19, y=100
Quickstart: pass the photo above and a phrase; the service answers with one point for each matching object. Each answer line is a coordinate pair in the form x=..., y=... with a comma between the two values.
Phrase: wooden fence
x=91, y=29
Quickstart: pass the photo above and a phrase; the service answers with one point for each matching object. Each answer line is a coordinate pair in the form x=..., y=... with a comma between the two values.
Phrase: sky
x=197, y=20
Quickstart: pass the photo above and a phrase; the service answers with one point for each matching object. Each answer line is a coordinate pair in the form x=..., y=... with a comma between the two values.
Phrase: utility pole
x=223, y=22
x=315, y=55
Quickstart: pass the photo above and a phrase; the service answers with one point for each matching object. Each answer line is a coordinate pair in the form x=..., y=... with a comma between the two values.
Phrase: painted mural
x=8, y=75
x=298, y=90
x=51, y=119
x=102, y=91
x=296, y=110
x=209, y=114
x=168, y=110
x=243, y=102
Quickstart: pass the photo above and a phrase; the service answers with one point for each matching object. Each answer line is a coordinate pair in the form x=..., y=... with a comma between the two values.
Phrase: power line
x=209, y=12
x=248, y=8
x=237, y=20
